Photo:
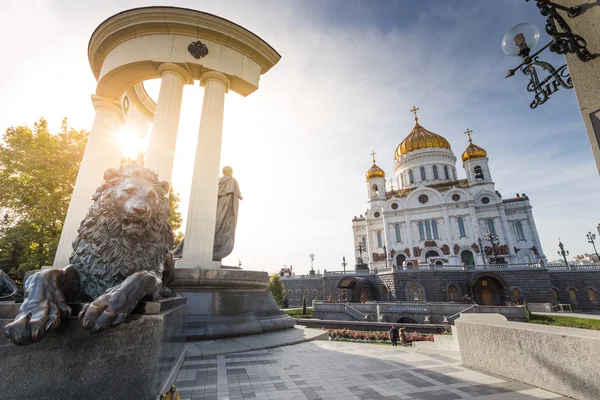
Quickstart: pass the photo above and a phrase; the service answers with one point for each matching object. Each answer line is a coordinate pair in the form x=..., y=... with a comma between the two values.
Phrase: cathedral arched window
x=490, y=225
x=398, y=237
x=454, y=173
x=527, y=258
x=572, y=294
x=434, y=228
x=446, y=173
x=375, y=190
x=423, y=177
x=421, y=231
x=428, y=230
x=402, y=179
x=416, y=293
x=411, y=176
x=435, y=173
x=452, y=293
x=461, y=227
x=379, y=242
x=478, y=173
x=364, y=243
x=592, y=294
x=519, y=230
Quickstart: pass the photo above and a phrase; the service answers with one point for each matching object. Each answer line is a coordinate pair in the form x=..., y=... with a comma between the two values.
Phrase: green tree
x=277, y=289
x=37, y=173
x=304, y=305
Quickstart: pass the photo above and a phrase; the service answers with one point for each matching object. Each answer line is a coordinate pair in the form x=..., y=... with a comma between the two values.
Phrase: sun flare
x=130, y=142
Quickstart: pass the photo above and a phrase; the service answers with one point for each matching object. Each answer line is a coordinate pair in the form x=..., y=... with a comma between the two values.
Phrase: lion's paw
x=35, y=319
x=102, y=313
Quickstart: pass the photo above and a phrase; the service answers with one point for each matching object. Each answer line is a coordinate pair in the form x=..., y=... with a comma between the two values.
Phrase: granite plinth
x=226, y=303
x=136, y=360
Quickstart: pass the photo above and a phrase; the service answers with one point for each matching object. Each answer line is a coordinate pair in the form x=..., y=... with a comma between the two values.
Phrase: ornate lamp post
x=591, y=237
x=482, y=251
x=360, y=249
x=520, y=39
x=312, y=259
x=564, y=253
x=494, y=240
x=344, y=263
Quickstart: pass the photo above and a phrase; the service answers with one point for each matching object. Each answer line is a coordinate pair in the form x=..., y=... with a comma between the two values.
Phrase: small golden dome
x=375, y=172
x=420, y=138
x=473, y=151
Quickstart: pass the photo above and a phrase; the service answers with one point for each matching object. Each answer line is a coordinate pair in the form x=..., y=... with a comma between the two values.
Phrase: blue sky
x=349, y=73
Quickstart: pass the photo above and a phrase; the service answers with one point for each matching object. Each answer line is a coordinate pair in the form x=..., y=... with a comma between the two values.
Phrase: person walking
x=394, y=335
x=403, y=338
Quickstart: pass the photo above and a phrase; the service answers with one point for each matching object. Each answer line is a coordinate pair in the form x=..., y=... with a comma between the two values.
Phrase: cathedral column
x=447, y=223
x=534, y=232
x=202, y=211
x=161, y=148
x=368, y=236
x=506, y=230
x=474, y=222
x=409, y=236
x=102, y=152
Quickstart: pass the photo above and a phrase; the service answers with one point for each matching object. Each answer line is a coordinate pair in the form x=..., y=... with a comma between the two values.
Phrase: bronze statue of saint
x=229, y=197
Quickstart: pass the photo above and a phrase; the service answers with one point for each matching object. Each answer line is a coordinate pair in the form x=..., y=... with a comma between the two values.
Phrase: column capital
x=166, y=68
x=215, y=76
x=105, y=102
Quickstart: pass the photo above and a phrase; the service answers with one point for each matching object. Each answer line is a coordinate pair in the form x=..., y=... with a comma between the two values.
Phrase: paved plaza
x=341, y=370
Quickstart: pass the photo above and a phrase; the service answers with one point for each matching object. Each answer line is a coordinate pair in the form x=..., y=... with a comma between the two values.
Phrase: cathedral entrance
x=488, y=290
x=355, y=289
x=400, y=258
x=467, y=258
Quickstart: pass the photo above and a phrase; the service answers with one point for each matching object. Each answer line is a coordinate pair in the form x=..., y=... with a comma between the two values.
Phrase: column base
x=194, y=264
x=226, y=303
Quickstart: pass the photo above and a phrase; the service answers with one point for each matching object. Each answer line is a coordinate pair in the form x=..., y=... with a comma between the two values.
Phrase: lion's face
x=135, y=199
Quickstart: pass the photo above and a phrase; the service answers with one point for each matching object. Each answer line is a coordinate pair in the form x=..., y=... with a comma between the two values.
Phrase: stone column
x=474, y=222
x=447, y=223
x=202, y=211
x=409, y=236
x=161, y=148
x=506, y=230
x=102, y=152
x=534, y=232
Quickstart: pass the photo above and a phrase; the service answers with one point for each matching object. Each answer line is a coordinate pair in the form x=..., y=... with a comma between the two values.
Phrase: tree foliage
x=277, y=289
x=38, y=170
x=37, y=173
x=304, y=305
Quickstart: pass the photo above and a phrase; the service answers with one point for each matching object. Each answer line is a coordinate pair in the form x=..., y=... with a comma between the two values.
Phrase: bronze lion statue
x=120, y=256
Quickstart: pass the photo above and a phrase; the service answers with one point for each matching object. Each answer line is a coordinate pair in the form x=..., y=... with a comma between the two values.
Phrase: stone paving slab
x=341, y=370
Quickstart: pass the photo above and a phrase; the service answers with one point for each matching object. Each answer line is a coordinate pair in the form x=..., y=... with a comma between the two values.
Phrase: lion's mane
x=106, y=251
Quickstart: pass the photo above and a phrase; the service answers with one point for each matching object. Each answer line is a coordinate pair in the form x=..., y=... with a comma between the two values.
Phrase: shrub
x=303, y=305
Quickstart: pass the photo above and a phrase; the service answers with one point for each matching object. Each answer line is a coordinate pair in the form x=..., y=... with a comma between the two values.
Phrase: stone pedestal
x=136, y=361
x=225, y=303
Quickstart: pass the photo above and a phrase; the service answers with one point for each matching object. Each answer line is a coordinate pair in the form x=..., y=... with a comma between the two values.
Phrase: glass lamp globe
x=520, y=37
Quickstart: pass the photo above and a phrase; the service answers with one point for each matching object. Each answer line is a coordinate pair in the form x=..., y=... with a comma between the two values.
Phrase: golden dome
x=375, y=172
x=420, y=138
x=473, y=151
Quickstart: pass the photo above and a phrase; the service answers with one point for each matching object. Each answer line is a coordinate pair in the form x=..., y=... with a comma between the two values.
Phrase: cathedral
x=436, y=218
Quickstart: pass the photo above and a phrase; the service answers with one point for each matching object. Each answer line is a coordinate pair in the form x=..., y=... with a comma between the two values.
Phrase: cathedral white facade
x=434, y=217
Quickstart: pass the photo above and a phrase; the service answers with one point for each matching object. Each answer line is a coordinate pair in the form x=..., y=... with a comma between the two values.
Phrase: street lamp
x=482, y=249
x=494, y=240
x=591, y=237
x=360, y=249
x=344, y=263
x=564, y=253
x=312, y=259
x=522, y=38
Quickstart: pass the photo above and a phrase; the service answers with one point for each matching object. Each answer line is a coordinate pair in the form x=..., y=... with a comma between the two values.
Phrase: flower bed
x=373, y=337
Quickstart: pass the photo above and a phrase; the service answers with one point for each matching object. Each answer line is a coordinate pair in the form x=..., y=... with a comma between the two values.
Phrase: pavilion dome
x=420, y=138
x=375, y=172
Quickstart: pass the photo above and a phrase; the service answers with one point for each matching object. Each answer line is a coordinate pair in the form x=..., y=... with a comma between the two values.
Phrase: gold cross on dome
x=468, y=133
x=373, y=155
x=414, y=111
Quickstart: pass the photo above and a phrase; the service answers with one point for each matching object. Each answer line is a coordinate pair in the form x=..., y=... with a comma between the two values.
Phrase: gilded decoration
x=445, y=249
x=473, y=151
x=407, y=252
x=375, y=171
x=475, y=248
x=420, y=138
x=456, y=249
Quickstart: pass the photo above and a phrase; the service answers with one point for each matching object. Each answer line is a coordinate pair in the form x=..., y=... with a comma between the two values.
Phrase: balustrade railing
x=354, y=313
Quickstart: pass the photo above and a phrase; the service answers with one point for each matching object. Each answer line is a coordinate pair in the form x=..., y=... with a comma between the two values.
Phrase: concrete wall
x=303, y=286
x=562, y=360
x=580, y=281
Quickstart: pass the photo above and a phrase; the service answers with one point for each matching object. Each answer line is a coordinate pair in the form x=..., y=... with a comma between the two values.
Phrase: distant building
x=434, y=217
